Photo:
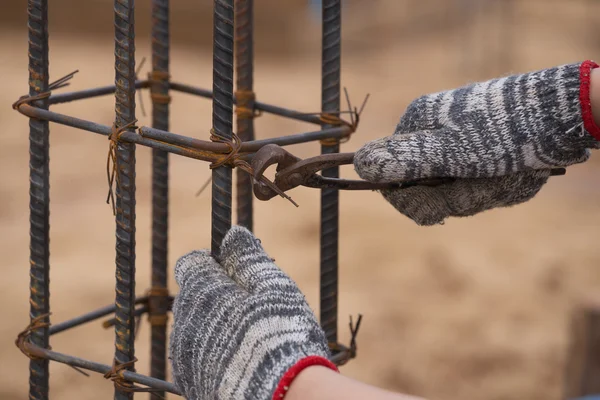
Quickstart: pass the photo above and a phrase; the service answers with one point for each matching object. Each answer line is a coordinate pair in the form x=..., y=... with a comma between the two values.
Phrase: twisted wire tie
x=232, y=159
x=23, y=339
x=57, y=84
x=116, y=375
x=156, y=319
x=112, y=161
x=159, y=77
x=245, y=105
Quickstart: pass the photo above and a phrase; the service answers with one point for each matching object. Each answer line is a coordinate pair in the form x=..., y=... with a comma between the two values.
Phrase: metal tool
x=293, y=172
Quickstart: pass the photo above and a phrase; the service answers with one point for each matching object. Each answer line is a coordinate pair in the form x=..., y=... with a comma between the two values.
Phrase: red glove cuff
x=294, y=371
x=585, y=73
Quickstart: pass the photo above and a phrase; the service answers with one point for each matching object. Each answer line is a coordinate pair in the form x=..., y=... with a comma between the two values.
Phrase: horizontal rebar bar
x=268, y=108
x=246, y=147
x=172, y=142
x=42, y=353
x=126, y=136
x=88, y=317
x=183, y=88
x=136, y=313
x=90, y=93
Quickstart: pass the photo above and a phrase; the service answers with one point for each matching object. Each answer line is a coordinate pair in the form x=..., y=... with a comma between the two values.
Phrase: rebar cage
x=232, y=20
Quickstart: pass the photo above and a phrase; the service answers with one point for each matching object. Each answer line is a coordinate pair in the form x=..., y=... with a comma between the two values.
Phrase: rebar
x=222, y=116
x=88, y=317
x=244, y=58
x=179, y=144
x=125, y=188
x=39, y=195
x=258, y=106
x=222, y=151
x=46, y=354
x=160, y=193
x=330, y=103
x=90, y=93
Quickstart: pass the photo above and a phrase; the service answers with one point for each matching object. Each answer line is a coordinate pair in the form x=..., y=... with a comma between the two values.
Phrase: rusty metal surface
x=222, y=118
x=244, y=65
x=330, y=103
x=88, y=317
x=39, y=196
x=45, y=354
x=158, y=294
x=258, y=106
x=90, y=93
x=125, y=188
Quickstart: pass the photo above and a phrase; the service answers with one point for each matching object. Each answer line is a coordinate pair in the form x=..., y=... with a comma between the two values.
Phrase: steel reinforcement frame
x=233, y=24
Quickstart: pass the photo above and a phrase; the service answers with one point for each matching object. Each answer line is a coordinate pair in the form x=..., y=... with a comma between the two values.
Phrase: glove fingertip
x=189, y=263
x=238, y=240
x=370, y=159
x=425, y=206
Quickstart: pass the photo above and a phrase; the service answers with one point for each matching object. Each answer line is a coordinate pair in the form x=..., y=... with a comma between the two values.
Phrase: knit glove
x=242, y=328
x=500, y=138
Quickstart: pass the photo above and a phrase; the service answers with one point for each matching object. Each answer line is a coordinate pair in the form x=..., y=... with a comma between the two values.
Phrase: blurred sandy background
x=474, y=309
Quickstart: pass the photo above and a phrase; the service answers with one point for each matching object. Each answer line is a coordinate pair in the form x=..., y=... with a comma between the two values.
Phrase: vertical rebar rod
x=125, y=187
x=222, y=116
x=160, y=193
x=244, y=57
x=39, y=195
x=330, y=103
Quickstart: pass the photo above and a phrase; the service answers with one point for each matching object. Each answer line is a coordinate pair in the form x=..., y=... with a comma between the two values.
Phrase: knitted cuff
x=294, y=371
x=585, y=73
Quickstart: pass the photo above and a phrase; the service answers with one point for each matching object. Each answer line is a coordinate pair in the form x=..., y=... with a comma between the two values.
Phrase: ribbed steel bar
x=101, y=368
x=39, y=195
x=244, y=65
x=222, y=118
x=88, y=317
x=125, y=187
x=160, y=193
x=60, y=98
x=268, y=108
x=179, y=144
x=330, y=103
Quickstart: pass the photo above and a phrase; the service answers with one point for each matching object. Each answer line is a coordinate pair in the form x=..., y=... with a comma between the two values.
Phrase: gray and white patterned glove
x=242, y=329
x=500, y=138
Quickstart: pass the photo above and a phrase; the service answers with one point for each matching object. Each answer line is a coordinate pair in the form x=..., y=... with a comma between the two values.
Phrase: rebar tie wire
x=231, y=158
x=121, y=383
x=335, y=120
x=153, y=293
x=159, y=77
x=112, y=161
x=57, y=84
x=347, y=352
x=245, y=105
x=23, y=338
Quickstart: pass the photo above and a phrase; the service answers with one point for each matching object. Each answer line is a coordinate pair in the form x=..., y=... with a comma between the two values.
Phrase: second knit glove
x=242, y=329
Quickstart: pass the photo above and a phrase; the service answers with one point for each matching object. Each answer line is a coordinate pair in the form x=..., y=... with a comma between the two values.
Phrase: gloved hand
x=500, y=138
x=242, y=328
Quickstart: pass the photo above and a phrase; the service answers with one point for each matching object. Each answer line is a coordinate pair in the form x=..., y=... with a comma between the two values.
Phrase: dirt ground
x=476, y=309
